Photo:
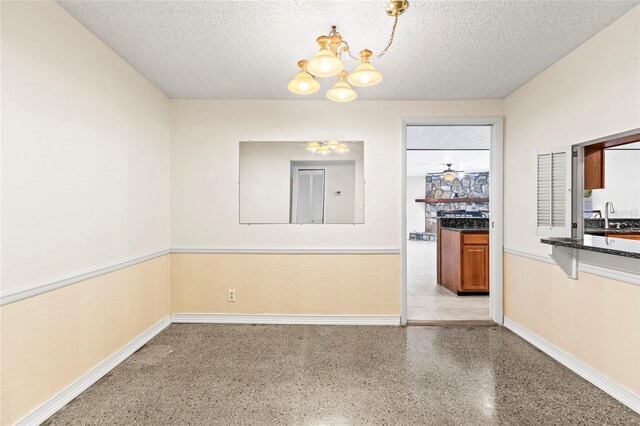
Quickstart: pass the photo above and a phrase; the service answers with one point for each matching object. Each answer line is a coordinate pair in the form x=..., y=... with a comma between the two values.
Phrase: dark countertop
x=608, y=245
x=468, y=230
x=602, y=231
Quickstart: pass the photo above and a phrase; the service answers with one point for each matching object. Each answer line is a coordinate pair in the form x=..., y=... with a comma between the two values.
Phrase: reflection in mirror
x=302, y=182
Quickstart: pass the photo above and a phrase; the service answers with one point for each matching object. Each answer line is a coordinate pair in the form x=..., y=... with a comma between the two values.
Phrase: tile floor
x=215, y=374
x=426, y=300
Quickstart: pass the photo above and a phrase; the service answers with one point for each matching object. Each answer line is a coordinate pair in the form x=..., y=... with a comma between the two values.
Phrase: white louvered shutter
x=554, y=192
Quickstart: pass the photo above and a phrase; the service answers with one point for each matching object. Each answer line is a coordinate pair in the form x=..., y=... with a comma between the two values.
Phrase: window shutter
x=554, y=192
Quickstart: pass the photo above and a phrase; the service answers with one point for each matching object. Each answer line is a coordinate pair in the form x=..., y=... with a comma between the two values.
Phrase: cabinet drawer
x=475, y=238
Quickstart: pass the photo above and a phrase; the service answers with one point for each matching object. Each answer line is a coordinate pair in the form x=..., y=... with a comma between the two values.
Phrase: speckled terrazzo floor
x=206, y=374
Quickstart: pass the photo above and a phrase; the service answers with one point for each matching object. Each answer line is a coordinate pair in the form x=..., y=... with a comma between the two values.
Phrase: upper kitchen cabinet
x=594, y=160
x=593, y=167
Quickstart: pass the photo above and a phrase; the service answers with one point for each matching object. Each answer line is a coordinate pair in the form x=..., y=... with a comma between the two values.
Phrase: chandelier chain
x=347, y=48
x=393, y=33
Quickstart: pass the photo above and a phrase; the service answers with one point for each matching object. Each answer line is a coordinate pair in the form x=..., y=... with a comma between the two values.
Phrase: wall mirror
x=311, y=182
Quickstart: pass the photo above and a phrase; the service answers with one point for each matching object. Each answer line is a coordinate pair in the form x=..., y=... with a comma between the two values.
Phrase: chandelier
x=449, y=175
x=325, y=148
x=328, y=63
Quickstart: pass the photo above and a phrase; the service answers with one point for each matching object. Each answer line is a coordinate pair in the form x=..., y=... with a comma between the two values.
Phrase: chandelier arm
x=393, y=33
x=348, y=50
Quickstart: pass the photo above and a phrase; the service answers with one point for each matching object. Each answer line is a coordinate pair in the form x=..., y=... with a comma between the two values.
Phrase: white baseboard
x=286, y=319
x=623, y=395
x=59, y=400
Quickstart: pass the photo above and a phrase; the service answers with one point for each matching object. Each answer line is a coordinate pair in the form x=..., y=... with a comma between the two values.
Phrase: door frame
x=496, y=205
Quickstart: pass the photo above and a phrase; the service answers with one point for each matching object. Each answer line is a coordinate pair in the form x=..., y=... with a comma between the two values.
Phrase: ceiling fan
x=449, y=174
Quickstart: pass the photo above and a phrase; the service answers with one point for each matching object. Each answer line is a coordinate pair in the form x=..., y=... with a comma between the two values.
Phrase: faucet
x=608, y=208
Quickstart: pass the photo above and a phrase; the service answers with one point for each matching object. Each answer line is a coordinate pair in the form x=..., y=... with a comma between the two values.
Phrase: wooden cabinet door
x=475, y=268
x=593, y=167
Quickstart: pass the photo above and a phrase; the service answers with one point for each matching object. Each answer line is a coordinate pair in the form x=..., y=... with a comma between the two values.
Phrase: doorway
x=452, y=179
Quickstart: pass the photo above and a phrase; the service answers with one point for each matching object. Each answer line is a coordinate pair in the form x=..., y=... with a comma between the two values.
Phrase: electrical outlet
x=231, y=295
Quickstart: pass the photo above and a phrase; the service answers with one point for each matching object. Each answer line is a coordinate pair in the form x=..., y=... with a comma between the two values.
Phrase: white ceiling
x=249, y=49
x=420, y=163
x=448, y=137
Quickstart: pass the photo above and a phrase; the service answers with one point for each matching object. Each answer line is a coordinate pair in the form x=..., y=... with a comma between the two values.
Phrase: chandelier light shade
x=327, y=62
x=313, y=146
x=325, y=148
x=333, y=145
x=365, y=73
x=341, y=91
x=303, y=83
x=342, y=148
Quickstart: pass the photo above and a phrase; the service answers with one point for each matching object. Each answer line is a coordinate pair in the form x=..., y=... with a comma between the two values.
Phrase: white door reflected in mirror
x=314, y=182
x=309, y=197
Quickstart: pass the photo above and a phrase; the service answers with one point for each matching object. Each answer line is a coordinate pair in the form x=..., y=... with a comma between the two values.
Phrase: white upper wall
x=85, y=151
x=205, y=164
x=592, y=92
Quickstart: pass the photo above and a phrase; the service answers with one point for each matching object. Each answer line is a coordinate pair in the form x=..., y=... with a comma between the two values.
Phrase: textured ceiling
x=249, y=49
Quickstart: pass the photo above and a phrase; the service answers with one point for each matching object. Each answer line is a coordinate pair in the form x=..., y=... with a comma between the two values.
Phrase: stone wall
x=472, y=185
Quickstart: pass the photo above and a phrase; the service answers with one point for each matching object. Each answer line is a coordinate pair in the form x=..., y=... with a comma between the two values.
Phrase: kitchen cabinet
x=593, y=167
x=463, y=258
x=593, y=163
x=630, y=236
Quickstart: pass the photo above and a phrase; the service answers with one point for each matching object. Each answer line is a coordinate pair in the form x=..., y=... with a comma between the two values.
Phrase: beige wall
x=307, y=284
x=85, y=152
x=204, y=176
x=85, y=171
x=205, y=164
x=592, y=92
x=594, y=319
x=51, y=340
x=204, y=207
x=85, y=185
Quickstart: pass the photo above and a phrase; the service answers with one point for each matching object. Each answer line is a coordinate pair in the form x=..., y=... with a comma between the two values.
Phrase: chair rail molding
x=44, y=288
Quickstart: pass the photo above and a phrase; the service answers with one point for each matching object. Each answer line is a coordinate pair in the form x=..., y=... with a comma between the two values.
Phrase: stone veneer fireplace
x=471, y=186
